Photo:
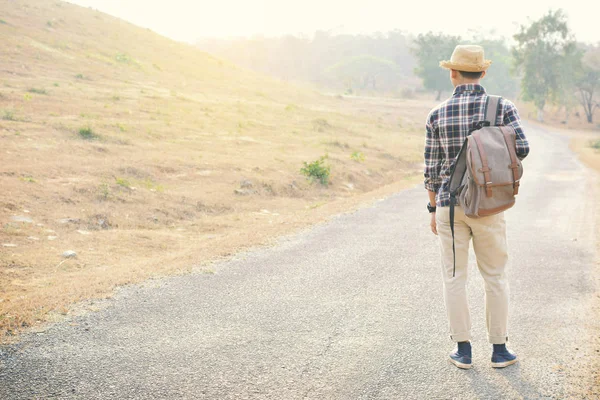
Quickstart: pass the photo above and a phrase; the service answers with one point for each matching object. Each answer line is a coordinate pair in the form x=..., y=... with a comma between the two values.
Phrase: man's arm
x=433, y=165
x=433, y=158
x=511, y=118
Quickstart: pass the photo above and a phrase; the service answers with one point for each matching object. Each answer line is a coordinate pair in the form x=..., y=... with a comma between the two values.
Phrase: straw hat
x=467, y=58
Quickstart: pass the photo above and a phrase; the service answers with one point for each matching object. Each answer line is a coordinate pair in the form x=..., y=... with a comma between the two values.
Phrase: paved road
x=351, y=309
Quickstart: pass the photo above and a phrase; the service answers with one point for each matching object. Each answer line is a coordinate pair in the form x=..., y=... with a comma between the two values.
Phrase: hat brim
x=466, y=67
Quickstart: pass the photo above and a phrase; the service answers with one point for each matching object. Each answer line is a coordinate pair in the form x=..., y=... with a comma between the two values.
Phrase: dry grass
x=131, y=147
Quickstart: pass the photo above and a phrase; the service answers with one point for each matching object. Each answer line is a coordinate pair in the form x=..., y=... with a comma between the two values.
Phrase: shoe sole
x=504, y=364
x=459, y=364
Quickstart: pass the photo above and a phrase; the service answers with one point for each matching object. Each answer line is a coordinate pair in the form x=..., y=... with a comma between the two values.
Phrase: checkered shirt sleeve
x=511, y=118
x=433, y=155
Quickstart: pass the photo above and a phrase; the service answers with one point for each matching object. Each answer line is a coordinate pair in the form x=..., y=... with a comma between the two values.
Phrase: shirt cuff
x=432, y=187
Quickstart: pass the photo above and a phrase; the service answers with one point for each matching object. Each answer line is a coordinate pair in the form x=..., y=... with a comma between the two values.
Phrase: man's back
x=449, y=124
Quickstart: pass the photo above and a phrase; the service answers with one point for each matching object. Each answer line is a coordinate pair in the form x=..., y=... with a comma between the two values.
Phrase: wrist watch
x=430, y=208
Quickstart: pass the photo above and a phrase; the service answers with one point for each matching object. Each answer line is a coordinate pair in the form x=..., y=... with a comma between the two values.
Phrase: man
x=447, y=127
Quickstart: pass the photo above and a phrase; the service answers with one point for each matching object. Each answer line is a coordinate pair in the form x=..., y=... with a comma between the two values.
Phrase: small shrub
x=8, y=115
x=151, y=185
x=291, y=107
x=358, y=156
x=56, y=84
x=121, y=57
x=87, y=133
x=80, y=76
x=121, y=127
x=104, y=191
x=317, y=170
x=595, y=144
x=3, y=22
x=123, y=182
x=28, y=179
x=320, y=124
x=37, y=91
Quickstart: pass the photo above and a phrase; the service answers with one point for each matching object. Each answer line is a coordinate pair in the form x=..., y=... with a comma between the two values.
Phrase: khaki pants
x=489, y=243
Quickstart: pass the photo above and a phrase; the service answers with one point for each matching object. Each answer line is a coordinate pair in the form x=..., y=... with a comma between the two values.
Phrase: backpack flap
x=491, y=157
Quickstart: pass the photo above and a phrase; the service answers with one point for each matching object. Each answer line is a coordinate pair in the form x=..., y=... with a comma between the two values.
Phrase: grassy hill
x=149, y=157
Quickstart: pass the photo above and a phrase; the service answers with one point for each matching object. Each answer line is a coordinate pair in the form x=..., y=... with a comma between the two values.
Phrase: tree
x=539, y=55
x=499, y=79
x=568, y=73
x=430, y=50
x=588, y=81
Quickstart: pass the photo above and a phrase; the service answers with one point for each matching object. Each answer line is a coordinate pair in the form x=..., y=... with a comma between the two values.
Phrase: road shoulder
x=587, y=377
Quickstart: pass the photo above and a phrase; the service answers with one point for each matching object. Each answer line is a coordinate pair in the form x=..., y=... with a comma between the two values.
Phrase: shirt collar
x=468, y=87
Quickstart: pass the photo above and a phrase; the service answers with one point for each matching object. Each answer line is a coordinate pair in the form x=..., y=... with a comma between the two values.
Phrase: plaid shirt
x=447, y=127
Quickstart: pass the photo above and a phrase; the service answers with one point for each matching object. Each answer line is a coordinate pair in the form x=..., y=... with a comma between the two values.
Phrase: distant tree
x=542, y=49
x=588, y=82
x=429, y=50
x=364, y=71
x=499, y=79
x=569, y=71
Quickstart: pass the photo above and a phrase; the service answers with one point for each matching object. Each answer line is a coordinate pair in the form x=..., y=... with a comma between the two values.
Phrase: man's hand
x=433, y=224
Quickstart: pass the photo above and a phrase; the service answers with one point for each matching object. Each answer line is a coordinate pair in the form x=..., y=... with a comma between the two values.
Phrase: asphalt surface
x=350, y=309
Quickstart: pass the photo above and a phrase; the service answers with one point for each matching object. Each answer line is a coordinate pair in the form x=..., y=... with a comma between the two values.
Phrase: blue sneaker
x=461, y=357
x=503, y=358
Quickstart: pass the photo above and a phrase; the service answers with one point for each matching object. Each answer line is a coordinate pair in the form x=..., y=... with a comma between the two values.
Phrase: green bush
x=358, y=156
x=123, y=182
x=8, y=115
x=87, y=133
x=37, y=91
x=595, y=144
x=317, y=170
x=123, y=58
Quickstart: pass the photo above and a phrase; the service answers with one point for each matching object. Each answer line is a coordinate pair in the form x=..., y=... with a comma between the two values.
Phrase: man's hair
x=470, y=75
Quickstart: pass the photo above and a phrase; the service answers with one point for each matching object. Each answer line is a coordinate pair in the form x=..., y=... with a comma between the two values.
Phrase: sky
x=189, y=20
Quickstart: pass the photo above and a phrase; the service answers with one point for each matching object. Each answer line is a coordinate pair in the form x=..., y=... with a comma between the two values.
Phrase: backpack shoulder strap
x=492, y=109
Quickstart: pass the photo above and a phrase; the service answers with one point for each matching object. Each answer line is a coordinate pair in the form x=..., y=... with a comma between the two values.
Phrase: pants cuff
x=461, y=337
x=498, y=339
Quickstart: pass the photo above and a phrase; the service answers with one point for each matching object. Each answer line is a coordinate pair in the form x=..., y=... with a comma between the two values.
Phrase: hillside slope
x=147, y=157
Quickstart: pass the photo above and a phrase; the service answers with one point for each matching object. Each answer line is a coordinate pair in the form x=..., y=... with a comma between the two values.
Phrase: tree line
x=380, y=63
x=544, y=64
